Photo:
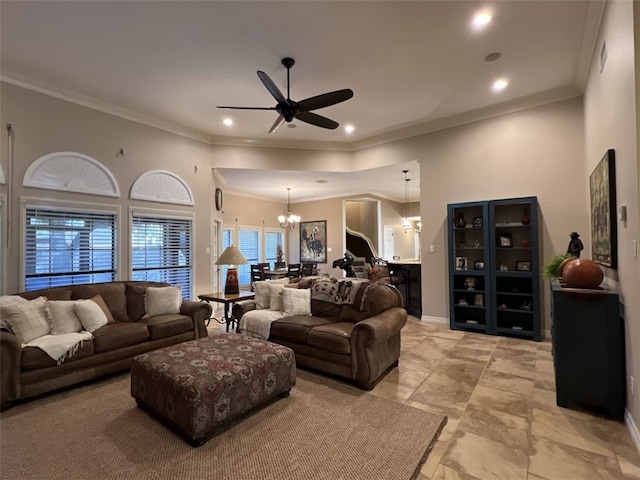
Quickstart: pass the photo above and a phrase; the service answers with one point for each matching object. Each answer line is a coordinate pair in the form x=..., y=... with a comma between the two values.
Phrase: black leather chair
x=309, y=269
x=257, y=273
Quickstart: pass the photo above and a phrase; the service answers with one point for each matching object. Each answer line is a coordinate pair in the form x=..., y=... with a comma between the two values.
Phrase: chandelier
x=406, y=224
x=289, y=220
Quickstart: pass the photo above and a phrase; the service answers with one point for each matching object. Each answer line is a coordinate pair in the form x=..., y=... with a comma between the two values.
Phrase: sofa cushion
x=118, y=335
x=113, y=295
x=135, y=298
x=91, y=315
x=296, y=328
x=62, y=317
x=55, y=293
x=164, y=326
x=27, y=320
x=33, y=358
x=296, y=302
x=332, y=337
x=162, y=301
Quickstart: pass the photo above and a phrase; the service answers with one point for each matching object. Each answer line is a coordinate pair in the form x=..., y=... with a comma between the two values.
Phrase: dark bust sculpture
x=575, y=245
x=346, y=264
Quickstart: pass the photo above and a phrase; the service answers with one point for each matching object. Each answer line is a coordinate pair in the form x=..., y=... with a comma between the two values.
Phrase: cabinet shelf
x=501, y=226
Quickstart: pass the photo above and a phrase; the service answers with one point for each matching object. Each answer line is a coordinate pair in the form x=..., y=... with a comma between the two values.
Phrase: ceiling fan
x=288, y=109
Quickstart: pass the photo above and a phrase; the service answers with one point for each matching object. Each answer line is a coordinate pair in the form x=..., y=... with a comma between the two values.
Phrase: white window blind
x=273, y=240
x=161, y=251
x=66, y=247
x=249, y=245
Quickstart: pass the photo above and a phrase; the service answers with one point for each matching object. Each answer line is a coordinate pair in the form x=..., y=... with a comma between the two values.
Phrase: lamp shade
x=232, y=256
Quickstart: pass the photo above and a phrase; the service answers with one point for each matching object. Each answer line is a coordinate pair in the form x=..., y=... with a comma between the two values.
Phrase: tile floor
x=503, y=422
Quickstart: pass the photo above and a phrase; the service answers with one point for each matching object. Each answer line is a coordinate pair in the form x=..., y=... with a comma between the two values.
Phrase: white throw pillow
x=296, y=301
x=162, y=300
x=275, y=296
x=62, y=317
x=6, y=300
x=91, y=315
x=261, y=289
x=27, y=320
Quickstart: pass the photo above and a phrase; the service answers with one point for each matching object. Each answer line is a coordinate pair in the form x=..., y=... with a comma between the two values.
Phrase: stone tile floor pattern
x=499, y=395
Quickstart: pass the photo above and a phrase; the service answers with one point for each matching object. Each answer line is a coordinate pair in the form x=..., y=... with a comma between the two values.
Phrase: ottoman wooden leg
x=197, y=442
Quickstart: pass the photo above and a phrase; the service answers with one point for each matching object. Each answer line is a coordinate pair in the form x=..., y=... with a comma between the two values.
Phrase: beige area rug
x=323, y=430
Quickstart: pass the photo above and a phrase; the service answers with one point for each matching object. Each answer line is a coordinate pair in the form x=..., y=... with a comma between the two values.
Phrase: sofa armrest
x=379, y=328
x=240, y=308
x=10, y=358
x=199, y=312
x=375, y=345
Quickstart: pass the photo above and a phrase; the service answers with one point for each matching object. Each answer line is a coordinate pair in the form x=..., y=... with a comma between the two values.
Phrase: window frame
x=68, y=206
x=164, y=215
x=245, y=269
x=283, y=243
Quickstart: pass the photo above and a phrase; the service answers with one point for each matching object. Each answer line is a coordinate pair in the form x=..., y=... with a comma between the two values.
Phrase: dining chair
x=294, y=270
x=257, y=273
x=309, y=269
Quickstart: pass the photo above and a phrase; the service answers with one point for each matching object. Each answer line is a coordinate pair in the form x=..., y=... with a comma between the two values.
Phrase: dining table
x=276, y=273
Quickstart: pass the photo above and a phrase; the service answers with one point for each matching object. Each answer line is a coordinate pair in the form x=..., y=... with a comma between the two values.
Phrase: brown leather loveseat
x=358, y=341
x=27, y=371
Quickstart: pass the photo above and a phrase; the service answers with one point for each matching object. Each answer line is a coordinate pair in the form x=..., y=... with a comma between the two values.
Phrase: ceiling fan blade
x=273, y=90
x=317, y=120
x=325, y=100
x=276, y=125
x=247, y=108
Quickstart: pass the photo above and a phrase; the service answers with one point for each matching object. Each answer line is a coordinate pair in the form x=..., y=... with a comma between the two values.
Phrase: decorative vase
x=526, y=220
x=582, y=273
x=460, y=221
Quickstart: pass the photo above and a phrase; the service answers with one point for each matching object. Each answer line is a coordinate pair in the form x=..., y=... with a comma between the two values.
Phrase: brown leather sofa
x=359, y=343
x=29, y=371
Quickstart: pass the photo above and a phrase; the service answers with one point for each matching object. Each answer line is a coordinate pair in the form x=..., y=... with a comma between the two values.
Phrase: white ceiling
x=410, y=64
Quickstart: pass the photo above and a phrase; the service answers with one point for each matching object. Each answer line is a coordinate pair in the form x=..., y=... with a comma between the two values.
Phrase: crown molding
x=591, y=26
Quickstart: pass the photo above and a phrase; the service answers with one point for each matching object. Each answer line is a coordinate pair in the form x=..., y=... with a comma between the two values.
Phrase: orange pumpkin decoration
x=582, y=273
x=562, y=266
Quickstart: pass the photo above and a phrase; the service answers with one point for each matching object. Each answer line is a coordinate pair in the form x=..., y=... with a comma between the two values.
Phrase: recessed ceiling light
x=228, y=122
x=481, y=19
x=492, y=57
x=349, y=128
x=291, y=125
x=500, y=84
x=322, y=180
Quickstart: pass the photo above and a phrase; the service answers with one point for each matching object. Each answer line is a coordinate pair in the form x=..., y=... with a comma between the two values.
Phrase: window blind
x=66, y=247
x=161, y=251
x=273, y=239
x=249, y=245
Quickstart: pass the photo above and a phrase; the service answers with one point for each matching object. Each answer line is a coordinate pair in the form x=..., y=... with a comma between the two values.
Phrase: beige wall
x=532, y=152
x=610, y=122
x=45, y=125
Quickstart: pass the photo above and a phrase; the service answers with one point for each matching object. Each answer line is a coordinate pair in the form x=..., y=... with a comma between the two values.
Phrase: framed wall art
x=313, y=241
x=602, y=191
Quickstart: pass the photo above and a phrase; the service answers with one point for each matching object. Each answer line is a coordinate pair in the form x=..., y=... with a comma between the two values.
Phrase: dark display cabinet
x=494, y=267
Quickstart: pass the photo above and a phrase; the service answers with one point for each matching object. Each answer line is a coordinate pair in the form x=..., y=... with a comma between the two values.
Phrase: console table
x=227, y=301
x=588, y=349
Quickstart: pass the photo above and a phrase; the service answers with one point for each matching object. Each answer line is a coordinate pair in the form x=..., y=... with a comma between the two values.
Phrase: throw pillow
x=296, y=301
x=6, y=300
x=162, y=301
x=91, y=314
x=100, y=301
x=62, y=317
x=261, y=289
x=27, y=320
x=275, y=296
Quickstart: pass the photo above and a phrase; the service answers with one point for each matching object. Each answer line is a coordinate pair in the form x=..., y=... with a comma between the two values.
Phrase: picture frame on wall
x=602, y=193
x=313, y=241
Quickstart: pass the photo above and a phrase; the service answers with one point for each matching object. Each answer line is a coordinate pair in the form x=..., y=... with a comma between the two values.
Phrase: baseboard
x=434, y=320
x=633, y=429
x=546, y=334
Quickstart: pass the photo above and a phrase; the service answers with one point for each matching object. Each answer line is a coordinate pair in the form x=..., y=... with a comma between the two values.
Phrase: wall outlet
x=207, y=251
x=432, y=248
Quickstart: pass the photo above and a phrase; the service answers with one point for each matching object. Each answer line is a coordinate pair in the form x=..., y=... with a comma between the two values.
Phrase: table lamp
x=232, y=257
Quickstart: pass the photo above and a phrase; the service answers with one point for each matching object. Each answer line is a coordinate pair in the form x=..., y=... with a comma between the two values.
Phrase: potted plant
x=550, y=269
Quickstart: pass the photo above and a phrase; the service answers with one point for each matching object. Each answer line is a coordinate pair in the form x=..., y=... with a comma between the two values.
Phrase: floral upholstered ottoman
x=198, y=385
